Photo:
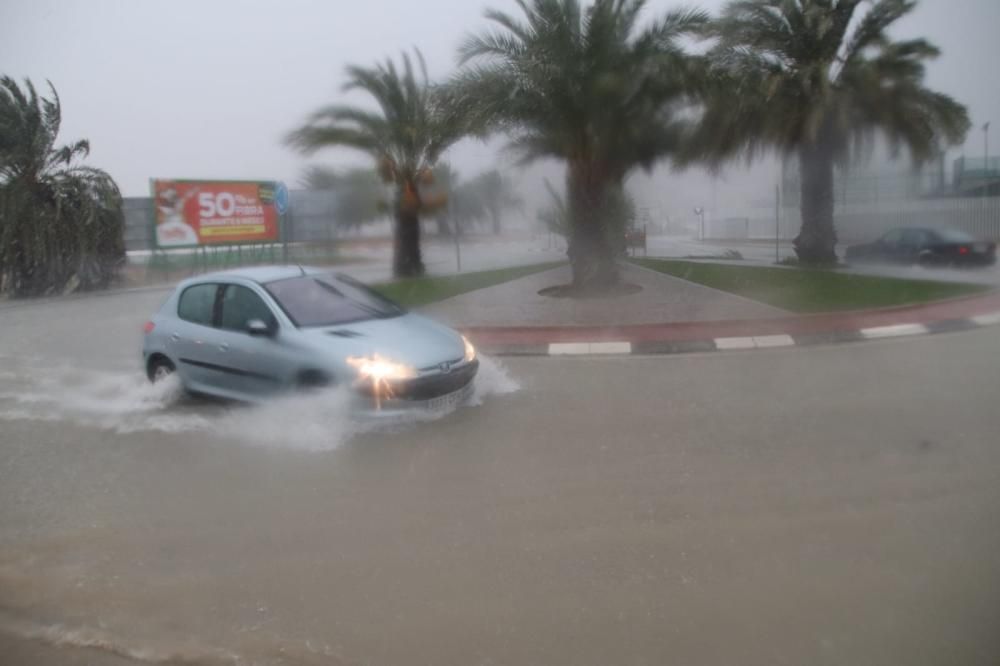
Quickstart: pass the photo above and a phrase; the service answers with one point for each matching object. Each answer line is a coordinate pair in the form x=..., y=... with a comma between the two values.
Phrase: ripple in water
x=124, y=402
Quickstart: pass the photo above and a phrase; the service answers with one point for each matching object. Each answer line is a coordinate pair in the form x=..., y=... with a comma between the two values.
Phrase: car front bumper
x=392, y=407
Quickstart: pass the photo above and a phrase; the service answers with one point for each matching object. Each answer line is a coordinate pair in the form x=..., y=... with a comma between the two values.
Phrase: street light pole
x=986, y=146
x=777, y=223
x=700, y=212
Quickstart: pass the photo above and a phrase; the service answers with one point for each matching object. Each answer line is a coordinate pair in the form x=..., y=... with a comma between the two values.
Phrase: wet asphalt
x=823, y=505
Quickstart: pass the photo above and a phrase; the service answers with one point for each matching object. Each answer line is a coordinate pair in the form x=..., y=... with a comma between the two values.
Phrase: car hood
x=410, y=338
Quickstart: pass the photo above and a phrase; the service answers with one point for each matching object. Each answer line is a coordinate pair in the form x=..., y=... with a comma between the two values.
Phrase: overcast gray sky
x=206, y=88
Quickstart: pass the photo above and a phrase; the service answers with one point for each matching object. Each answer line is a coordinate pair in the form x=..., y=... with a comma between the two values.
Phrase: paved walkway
x=672, y=316
x=663, y=299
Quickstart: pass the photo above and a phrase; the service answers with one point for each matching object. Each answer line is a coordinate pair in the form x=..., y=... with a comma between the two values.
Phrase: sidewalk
x=663, y=299
x=671, y=315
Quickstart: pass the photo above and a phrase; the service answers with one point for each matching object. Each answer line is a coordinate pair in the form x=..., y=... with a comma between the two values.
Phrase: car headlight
x=378, y=369
x=470, y=351
x=381, y=373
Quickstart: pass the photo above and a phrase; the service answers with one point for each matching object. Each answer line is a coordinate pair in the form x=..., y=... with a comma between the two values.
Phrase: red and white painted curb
x=731, y=335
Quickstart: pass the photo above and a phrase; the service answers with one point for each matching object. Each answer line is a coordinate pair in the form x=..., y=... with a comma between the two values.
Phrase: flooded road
x=823, y=506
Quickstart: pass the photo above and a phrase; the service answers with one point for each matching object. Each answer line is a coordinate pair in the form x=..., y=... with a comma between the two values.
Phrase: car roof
x=934, y=231
x=260, y=274
x=931, y=229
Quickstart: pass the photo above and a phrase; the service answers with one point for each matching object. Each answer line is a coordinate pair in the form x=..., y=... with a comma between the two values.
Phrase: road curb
x=949, y=316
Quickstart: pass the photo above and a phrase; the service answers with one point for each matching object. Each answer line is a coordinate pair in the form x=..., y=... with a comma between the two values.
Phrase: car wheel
x=160, y=369
x=926, y=259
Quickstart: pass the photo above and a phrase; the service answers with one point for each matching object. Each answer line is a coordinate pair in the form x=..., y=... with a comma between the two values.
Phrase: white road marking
x=987, y=319
x=568, y=348
x=896, y=330
x=734, y=343
x=581, y=348
x=755, y=342
x=610, y=347
x=766, y=341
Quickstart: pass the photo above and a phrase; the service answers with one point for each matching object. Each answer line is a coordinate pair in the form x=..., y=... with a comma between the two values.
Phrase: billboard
x=192, y=213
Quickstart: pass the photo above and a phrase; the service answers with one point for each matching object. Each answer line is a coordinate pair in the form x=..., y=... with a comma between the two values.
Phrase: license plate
x=979, y=248
x=448, y=401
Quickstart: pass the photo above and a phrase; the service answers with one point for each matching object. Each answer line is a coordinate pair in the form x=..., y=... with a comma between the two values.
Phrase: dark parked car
x=926, y=247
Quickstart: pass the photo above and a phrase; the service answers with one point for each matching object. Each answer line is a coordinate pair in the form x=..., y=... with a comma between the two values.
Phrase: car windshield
x=954, y=236
x=328, y=300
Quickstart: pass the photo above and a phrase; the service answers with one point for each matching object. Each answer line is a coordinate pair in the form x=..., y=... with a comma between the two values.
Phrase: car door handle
x=224, y=346
x=175, y=337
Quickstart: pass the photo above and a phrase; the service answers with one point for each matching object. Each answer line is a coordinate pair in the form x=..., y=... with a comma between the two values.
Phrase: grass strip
x=811, y=290
x=413, y=292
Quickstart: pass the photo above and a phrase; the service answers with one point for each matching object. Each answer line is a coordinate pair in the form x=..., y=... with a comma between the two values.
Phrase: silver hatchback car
x=251, y=333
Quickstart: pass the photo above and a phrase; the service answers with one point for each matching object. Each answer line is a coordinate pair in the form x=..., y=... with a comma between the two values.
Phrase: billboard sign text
x=191, y=213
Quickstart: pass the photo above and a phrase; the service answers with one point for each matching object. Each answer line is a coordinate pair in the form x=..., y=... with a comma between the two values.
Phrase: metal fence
x=312, y=228
x=309, y=235
x=138, y=223
x=979, y=216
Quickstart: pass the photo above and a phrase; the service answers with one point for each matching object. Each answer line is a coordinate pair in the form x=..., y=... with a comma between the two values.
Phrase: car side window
x=914, y=237
x=197, y=304
x=893, y=237
x=240, y=305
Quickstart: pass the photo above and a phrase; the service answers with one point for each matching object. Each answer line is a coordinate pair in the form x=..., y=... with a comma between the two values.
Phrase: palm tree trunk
x=590, y=253
x=407, y=261
x=817, y=239
x=495, y=218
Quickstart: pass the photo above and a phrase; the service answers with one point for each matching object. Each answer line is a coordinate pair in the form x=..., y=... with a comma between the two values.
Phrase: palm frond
x=789, y=73
x=411, y=127
x=311, y=138
x=574, y=83
x=675, y=24
x=61, y=223
x=871, y=32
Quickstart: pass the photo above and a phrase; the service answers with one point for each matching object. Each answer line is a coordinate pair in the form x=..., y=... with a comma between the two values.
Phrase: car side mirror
x=257, y=327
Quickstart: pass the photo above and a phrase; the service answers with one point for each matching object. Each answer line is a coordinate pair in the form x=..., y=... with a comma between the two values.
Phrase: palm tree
x=359, y=195
x=316, y=177
x=621, y=214
x=554, y=217
x=405, y=136
x=467, y=204
x=483, y=198
x=587, y=87
x=440, y=193
x=497, y=194
x=817, y=79
x=61, y=223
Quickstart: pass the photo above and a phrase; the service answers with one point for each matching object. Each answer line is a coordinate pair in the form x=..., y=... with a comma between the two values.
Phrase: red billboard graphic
x=189, y=213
